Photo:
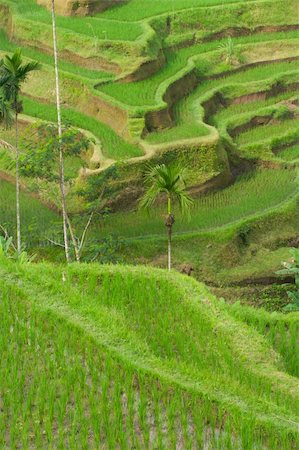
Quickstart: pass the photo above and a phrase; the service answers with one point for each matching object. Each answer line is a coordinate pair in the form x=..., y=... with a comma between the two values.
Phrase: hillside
x=136, y=358
x=177, y=148
x=212, y=87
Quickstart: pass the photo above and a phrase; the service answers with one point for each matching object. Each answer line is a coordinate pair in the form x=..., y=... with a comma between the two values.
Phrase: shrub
x=292, y=268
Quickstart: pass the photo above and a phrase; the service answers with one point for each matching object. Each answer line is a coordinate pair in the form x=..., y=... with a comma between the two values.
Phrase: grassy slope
x=250, y=195
x=142, y=91
x=116, y=324
x=37, y=219
x=185, y=112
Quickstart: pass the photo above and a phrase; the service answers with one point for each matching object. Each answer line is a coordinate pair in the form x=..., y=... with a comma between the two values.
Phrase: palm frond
x=13, y=73
x=6, y=112
x=168, y=180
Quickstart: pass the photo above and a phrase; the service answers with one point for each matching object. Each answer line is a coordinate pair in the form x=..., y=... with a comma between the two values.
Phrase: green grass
x=184, y=131
x=242, y=108
x=93, y=75
x=267, y=132
x=281, y=331
x=255, y=74
x=36, y=219
x=113, y=146
x=262, y=265
x=290, y=153
x=86, y=349
x=135, y=10
x=145, y=93
x=250, y=195
x=94, y=27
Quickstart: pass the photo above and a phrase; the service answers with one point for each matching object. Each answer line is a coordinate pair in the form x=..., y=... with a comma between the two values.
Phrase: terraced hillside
x=136, y=358
x=135, y=78
x=211, y=85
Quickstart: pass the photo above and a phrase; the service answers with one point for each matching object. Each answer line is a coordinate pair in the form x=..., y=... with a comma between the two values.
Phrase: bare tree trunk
x=18, y=214
x=169, y=224
x=61, y=159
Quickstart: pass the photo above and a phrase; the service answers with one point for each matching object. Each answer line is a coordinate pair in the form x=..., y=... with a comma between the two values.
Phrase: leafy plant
x=243, y=234
x=5, y=246
x=8, y=250
x=231, y=52
x=169, y=181
x=41, y=145
x=13, y=74
x=105, y=251
x=291, y=267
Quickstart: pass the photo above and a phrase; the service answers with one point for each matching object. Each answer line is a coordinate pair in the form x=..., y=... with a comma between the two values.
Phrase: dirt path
x=149, y=150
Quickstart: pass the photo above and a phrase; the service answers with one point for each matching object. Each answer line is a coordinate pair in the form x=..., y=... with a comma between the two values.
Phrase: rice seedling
x=90, y=364
x=281, y=330
x=250, y=195
x=237, y=109
x=136, y=10
x=93, y=75
x=290, y=153
x=184, y=131
x=92, y=26
x=149, y=91
x=267, y=132
x=38, y=219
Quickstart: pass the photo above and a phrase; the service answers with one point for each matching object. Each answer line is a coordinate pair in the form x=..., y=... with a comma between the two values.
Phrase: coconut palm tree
x=13, y=73
x=169, y=181
x=66, y=222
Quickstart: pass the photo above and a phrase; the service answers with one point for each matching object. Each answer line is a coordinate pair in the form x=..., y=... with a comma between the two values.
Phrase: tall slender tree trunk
x=61, y=159
x=169, y=223
x=18, y=213
x=169, y=233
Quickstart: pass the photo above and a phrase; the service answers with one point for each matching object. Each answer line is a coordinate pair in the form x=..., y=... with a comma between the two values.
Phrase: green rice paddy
x=290, y=153
x=266, y=132
x=113, y=145
x=37, y=220
x=250, y=195
x=100, y=364
x=100, y=356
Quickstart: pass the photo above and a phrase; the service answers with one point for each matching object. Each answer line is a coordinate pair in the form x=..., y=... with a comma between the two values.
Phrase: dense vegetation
x=126, y=370
x=179, y=101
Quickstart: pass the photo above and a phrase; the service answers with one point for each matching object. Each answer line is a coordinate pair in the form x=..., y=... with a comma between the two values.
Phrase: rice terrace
x=149, y=224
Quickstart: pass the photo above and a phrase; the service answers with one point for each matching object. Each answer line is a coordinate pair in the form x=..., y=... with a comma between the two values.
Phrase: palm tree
x=169, y=181
x=13, y=73
x=6, y=112
x=66, y=221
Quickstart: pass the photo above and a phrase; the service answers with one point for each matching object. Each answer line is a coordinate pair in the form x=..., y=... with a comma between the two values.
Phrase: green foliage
x=13, y=73
x=243, y=234
x=292, y=268
x=6, y=111
x=41, y=146
x=229, y=50
x=168, y=180
x=47, y=60
x=5, y=246
x=205, y=57
x=107, y=336
x=281, y=331
x=38, y=220
x=290, y=153
x=267, y=132
x=113, y=145
x=105, y=251
x=8, y=250
x=252, y=194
